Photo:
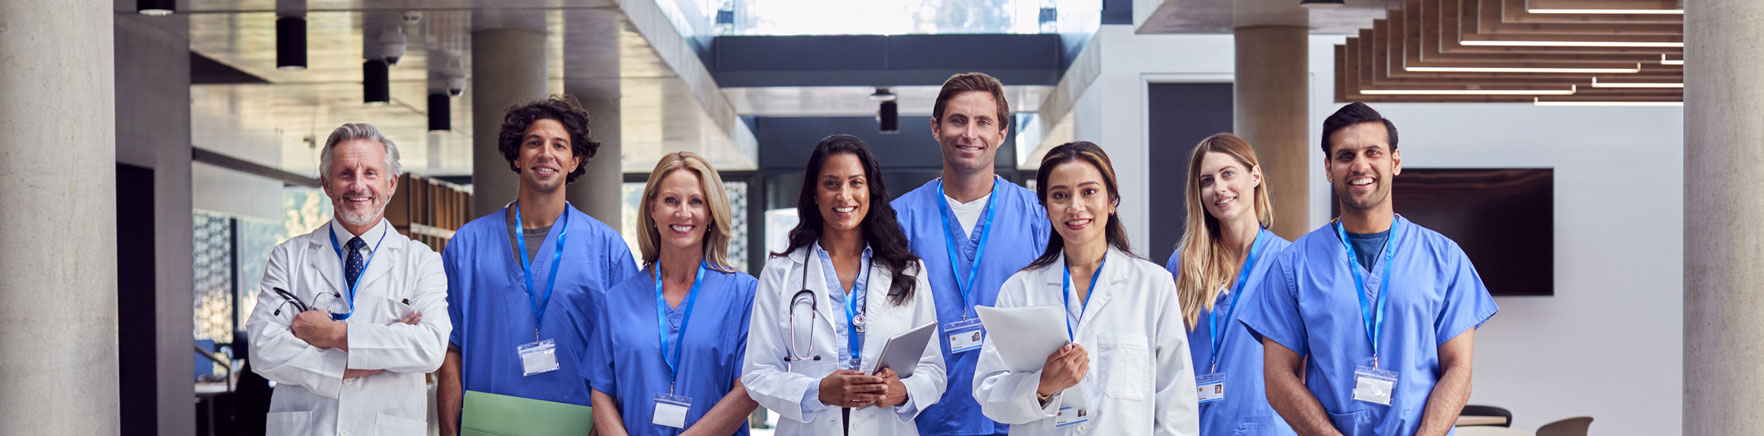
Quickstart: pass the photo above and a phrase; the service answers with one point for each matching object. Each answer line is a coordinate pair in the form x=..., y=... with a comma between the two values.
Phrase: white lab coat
x=311, y=397
x=768, y=338
x=1141, y=381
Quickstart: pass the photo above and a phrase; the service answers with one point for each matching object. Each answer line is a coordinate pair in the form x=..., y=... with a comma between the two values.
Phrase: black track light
x=156, y=8
x=376, y=86
x=888, y=118
x=1322, y=4
x=440, y=118
x=291, y=43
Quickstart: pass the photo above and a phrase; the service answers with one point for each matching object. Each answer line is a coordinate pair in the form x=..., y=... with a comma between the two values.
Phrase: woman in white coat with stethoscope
x=827, y=305
x=1126, y=370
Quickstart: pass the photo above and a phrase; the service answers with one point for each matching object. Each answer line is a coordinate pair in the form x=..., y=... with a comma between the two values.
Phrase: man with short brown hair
x=973, y=229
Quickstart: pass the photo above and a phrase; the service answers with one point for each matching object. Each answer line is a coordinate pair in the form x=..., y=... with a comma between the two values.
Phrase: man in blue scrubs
x=523, y=282
x=1384, y=309
x=973, y=229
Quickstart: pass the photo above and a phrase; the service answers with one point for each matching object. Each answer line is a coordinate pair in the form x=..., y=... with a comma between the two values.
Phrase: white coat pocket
x=395, y=309
x=1126, y=366
x=388, y=425
x=286, y=423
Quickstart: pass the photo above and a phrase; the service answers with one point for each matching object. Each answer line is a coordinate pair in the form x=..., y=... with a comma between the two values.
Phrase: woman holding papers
x=1219, y=265
x=1126, y=370
x=827, y=305
x=682, y=376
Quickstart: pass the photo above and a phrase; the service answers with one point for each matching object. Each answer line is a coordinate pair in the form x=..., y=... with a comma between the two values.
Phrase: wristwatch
x=1043, y=398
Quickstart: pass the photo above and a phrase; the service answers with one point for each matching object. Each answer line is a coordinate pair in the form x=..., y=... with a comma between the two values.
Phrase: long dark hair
x=1090, y=153
x=888, y=244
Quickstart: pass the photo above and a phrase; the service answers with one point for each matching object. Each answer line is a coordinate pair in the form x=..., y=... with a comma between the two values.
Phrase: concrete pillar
x=58, y=373
x=1723, y=309
x=598, y=192
x=591, y=74
x=508, y=68
x=1272, y=99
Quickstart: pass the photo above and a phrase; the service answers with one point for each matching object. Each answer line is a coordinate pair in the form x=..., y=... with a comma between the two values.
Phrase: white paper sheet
x=1024, y=336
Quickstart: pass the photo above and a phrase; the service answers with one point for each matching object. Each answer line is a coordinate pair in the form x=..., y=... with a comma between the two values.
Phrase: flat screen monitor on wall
x=1503, y=218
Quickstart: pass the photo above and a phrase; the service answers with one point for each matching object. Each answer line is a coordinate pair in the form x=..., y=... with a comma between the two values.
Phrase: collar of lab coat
x=1114, y=276
x=331, y=267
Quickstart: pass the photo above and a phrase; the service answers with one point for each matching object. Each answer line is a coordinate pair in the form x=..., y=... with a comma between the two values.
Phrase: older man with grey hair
x=346, y=333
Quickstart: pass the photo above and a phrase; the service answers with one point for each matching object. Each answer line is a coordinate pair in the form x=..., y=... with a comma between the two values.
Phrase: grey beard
x=350, y=219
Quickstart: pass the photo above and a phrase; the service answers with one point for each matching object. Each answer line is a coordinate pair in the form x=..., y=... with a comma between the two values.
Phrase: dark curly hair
x=888, y=244
x=561, y=108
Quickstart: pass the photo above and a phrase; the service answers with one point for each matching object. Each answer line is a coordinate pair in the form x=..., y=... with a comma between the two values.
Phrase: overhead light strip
x=1597, y=84
x=1665, y=61
x=1616, y=44
x=1637, y=69
x=1569, y=91
x=1609, y=11
x=1542, y=102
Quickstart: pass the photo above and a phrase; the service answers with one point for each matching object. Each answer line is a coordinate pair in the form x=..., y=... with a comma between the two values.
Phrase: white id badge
x=1074, y=406
x=965, y=335
x=1374, y=385
x=538, y=357
x=1211, y=387
x=1069, y=415
x=670, y=410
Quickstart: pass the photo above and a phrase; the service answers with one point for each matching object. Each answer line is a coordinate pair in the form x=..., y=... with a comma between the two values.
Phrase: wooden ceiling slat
x=1490, y=20
x=1445, y=22
x=1514, y=11
x=1430, y=34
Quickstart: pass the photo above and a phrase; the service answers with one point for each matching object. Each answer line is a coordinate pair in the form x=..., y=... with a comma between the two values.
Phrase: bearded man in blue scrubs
x=973, y=229
x=1384, y=309
x=522, y=282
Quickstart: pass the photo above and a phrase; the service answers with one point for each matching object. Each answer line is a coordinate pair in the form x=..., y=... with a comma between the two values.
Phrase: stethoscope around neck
x=804, y=297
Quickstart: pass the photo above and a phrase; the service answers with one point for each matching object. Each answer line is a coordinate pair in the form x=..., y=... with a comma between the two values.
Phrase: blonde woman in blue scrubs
x=1225, y=251
x=666, y=358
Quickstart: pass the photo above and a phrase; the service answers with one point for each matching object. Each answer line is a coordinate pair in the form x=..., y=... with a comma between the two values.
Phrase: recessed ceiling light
x=1641, y=44
x=1569, y=70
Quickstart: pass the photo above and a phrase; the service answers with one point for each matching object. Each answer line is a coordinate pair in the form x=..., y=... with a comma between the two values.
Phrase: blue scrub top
x=1245, y=409
x=493, y=315
x=1020, y=232
x=626, y=361
x=1309, y=304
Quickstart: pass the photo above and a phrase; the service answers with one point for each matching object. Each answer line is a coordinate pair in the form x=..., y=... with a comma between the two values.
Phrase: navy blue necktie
x=352, y=268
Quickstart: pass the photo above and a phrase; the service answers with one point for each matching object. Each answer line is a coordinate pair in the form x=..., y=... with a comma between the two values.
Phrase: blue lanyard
x=1066, y=293
x=853, y=339
x=526, y=268
x=1374, y=322
x=661, y=312
x=352, y=285
x=966, y=288
x=1231, y=308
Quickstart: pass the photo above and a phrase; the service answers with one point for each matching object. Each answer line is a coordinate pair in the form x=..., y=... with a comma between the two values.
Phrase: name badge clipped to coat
x=1210, y=388
x=538, y=357
x=1374, y=385
x=670, y=410
x=964, y=335
x=1074, y=407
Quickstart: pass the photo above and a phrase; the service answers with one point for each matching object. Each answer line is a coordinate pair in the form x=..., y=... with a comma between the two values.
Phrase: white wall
x=1608, y=344
x=1112, y=110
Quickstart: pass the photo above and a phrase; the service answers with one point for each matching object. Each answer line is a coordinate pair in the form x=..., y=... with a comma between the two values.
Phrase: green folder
x=488, y=414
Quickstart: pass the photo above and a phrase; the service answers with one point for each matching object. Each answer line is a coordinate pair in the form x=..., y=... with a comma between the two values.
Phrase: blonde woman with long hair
x=1226, y=248
x=684, y=377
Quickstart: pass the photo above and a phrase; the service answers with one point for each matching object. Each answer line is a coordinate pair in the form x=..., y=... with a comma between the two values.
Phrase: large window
x=899, y=17
x=231, y=253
